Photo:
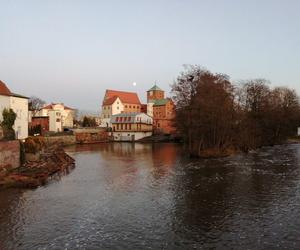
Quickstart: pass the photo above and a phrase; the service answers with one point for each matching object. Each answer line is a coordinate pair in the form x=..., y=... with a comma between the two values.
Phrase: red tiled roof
x=4, y=90
x=125, y=97
x=110, y=100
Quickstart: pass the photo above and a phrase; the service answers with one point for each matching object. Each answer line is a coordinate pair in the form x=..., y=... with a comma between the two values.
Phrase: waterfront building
x=19, y=104
x=116, y=102
x=131, y=126
x=161, y=109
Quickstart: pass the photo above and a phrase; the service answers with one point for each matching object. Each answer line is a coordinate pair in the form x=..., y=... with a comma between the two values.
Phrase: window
x=117, y=119
x=129, y=119
x=121, y=126
x=121, y=119
x=125, y=126
x=117, y=126
x=129, y=126
x=130, y=106
x=118, y=107
x=133, y=107
x=125, y=106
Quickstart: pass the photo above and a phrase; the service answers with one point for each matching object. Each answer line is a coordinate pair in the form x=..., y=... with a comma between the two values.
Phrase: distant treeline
x=212, y=113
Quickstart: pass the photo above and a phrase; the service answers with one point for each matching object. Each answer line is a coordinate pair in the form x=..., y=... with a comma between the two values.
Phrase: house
x=19, y=104
x=161, y=109
x=60, y=116
x=131, y=126
x=116, y=102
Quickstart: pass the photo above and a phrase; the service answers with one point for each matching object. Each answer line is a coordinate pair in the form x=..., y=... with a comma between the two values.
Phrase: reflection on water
x=144, y=196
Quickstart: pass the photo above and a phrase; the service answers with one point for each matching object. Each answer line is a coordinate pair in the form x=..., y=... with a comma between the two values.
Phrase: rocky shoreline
x=34, y=173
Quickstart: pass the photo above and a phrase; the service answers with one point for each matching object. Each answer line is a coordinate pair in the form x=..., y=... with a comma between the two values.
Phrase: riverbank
x=160, y=138
x=37, y=171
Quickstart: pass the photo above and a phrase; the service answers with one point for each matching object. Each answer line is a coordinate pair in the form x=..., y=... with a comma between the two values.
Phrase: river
x=144, y=196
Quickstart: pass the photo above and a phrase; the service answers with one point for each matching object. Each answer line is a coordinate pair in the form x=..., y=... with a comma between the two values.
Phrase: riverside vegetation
x=217, y=117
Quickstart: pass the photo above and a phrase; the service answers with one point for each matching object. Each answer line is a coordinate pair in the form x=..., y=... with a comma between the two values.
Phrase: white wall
x=55, y=124
x=20, y=107
x=116, y=108
x=150, y=108
x=144, y=118
x=127, y=136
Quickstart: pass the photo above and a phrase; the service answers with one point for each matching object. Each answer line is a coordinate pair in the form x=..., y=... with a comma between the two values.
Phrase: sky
x=71, y=51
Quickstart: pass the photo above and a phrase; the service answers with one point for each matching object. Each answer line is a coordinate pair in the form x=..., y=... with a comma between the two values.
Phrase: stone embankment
x=41, y=162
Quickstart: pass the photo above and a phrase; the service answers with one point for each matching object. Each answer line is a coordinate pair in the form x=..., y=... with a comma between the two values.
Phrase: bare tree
x=35, y=104
x=213, y=114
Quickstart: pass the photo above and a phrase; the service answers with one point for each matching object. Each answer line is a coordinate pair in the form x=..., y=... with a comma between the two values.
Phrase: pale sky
x=71, y=51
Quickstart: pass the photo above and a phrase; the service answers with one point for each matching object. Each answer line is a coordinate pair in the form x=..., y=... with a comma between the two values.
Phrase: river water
x=144, y=196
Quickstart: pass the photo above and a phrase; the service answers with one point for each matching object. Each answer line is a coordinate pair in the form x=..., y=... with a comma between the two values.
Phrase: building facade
x=162, y=110
x=39, y=124
x=131, y=126
x=60, y=116
x=117, y=102
x=19, y=104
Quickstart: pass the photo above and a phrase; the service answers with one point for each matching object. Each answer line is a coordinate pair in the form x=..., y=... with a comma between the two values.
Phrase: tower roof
x=155, y=87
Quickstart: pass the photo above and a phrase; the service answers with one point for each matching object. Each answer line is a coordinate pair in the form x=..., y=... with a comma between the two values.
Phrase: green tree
x=89, y=122
x=9, y=117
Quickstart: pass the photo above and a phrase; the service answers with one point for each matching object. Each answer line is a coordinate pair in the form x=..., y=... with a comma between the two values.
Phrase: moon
x=134, y=83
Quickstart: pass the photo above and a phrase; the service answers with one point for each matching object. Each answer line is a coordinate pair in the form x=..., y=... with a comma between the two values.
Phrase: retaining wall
x=9, y=154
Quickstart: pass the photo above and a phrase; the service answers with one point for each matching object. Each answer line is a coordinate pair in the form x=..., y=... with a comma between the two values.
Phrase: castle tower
x=155, y=93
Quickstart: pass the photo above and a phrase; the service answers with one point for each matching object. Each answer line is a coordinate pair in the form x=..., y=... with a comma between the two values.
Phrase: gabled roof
x=161, y=102
x=4, y=90
x=110, y=101
x=125, y=97
x=155, y=87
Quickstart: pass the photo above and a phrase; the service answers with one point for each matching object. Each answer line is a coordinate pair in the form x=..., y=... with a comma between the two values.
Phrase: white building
x=111, y=107
x=19, y=104
x=116, y=102
x=131, y=126
x=60, y=116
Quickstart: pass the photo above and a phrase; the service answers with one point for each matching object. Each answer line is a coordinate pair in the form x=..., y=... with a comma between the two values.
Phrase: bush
x=9, y=117
x=34, y=144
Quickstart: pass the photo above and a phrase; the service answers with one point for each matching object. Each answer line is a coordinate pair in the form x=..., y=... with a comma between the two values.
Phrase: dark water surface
x=142, y=196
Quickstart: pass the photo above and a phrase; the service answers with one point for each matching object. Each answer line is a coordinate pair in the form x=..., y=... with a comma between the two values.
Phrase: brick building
x=39, y=124
x=161, y=109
